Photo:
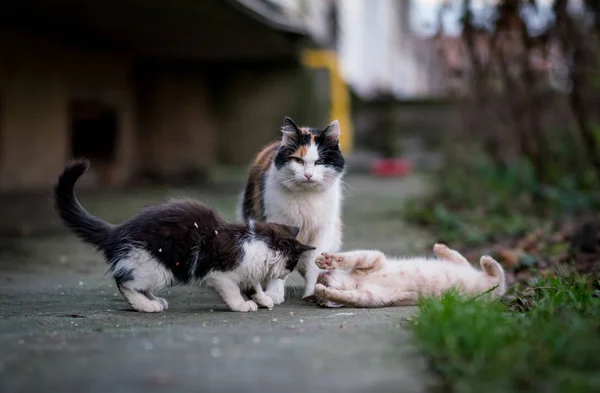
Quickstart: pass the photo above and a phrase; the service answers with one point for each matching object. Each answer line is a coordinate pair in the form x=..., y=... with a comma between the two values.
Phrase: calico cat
x=183, y=242
x=370, y=279
x=297, y=181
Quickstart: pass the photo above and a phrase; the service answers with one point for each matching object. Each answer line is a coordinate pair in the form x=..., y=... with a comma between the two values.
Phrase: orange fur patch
x=253, y=195
x=301, y=152
x=265, y=156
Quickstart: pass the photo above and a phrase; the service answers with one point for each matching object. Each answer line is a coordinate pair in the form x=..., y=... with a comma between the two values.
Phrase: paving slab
x=64, y=327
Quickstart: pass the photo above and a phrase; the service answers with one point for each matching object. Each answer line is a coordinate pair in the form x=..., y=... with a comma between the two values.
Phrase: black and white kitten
x=183, y=242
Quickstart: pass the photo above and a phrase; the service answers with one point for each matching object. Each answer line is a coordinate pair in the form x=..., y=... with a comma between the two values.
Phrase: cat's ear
x=304, y=248
x=290, y=131
x=292, y=229
x=332, y=132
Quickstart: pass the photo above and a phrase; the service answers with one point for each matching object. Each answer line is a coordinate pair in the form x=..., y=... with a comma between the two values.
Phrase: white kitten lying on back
x=369, y=279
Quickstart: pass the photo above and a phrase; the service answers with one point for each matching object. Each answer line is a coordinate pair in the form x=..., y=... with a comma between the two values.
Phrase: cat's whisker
x=347, y=187
x=293, y=290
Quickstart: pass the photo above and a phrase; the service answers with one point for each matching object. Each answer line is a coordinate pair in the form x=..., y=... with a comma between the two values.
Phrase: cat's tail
x=86, y=226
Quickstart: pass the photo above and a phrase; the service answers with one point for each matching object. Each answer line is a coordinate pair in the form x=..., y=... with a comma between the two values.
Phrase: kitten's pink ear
x=290, y=131
x=332, y=132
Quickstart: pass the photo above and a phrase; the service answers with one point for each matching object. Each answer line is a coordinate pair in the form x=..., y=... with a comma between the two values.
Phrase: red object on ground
x=391, y=167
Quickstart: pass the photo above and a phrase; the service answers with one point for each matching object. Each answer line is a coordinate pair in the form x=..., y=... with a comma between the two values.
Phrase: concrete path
x=64, y=328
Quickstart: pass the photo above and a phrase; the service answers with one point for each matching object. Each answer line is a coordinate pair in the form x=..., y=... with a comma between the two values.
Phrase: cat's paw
x=277, y=296
x=310, y=298
x=247, y=306
x=440, y=247
x=163, y=302
x=442, y=251
x=150, y=306
x=264, y=301
x=324, y=260
x=320, y=289
x=329, y=304
x=328, y=261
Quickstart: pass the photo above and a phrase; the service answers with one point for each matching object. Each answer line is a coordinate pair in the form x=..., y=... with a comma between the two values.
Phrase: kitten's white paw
x=330, y=304
x=491, y=266
x=163, y=302
x=328, y=261
x=149, y=306
x=320, y=289
x=324, y=261
x=440, y=247
x=247, y=306
x=277, y=296
x=264, y=301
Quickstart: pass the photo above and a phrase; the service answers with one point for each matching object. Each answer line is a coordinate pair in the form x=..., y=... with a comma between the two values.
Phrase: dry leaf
x=529, y=242
x=508, y=258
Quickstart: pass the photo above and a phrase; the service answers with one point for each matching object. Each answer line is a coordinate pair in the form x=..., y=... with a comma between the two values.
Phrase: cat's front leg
x=310, y=272
x=367, y=297
x=261, y=298
x=230, y=292
x=354, y=260
x=324, y=240
x=276, y=290
x=307, y=269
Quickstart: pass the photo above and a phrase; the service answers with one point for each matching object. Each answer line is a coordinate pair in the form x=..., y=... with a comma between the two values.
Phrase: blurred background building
x=164, y=91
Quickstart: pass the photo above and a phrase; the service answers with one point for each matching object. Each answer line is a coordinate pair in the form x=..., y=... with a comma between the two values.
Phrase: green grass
x=477, y=203
x=544, y=339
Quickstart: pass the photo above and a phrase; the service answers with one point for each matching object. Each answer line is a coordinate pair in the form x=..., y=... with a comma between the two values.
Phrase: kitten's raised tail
x=86, y=226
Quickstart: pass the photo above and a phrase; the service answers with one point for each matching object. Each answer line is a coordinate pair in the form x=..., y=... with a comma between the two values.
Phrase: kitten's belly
x=427, y=278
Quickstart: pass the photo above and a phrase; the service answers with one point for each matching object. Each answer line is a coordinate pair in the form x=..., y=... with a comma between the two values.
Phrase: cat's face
x=309, y=158
x=282, y=240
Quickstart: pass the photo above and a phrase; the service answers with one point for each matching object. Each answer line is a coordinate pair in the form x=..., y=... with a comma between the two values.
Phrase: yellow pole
x=339, y=105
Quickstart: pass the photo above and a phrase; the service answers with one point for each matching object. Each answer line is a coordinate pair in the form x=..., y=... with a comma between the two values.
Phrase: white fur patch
x=315, y=207
x=259, y=264
x=368, y=279
x=148, y=273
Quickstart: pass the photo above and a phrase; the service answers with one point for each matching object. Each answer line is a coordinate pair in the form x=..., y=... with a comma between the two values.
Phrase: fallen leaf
x=508, y=258
x=529, y=242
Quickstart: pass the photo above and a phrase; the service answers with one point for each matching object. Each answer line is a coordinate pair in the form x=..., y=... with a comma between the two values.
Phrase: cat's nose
x=307, y=176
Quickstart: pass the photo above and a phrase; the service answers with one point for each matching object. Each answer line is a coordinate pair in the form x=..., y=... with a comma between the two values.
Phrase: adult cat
x=367, y=278
x=183, y=242
x=297, y=181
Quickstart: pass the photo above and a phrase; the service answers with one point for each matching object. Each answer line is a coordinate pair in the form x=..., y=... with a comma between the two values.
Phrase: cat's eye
x=319, y=162
x=297, y=159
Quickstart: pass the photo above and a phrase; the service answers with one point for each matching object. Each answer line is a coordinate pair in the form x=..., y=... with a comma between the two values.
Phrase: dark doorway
x=94, y=135
x=93, y=130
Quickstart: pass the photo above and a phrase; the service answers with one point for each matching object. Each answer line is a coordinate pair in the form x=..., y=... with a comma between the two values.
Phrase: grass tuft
x=553, y=345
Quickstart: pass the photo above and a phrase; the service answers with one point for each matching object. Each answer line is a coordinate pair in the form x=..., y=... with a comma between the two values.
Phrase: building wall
x=166, y=123
x=252, y=106
x=177, y=123
x=174, y=119
x=38, y=80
